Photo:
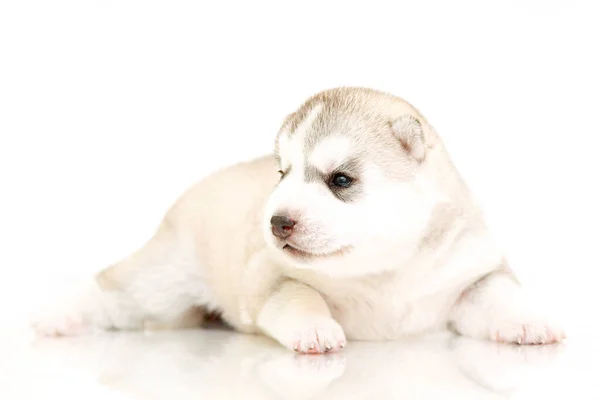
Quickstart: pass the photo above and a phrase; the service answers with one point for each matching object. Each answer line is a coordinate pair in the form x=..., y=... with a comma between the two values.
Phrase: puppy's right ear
x=409, y=132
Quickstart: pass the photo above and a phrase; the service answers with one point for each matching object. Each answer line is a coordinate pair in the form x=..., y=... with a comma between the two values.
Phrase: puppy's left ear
x=409, y=132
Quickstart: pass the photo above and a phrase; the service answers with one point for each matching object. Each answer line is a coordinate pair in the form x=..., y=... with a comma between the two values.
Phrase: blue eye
x=341, y=180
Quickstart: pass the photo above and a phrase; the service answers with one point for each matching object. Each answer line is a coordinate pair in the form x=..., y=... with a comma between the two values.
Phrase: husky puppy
x=358, y=227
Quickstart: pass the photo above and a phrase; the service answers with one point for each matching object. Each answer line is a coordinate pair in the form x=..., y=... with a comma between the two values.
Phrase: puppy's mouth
x=296, y=253
x=304, y=255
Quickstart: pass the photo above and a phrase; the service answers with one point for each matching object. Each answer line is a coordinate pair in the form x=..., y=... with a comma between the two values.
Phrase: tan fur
x=443, y=222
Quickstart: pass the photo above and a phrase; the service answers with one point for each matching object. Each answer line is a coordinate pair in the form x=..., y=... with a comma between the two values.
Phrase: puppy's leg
x=158, y=287
x=496, y=308
x=297, y=316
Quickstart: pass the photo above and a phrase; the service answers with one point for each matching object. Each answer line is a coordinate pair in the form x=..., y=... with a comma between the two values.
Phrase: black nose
x=282, y=226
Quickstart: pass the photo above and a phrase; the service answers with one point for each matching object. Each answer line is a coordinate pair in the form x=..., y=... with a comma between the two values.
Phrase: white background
x=109, y=110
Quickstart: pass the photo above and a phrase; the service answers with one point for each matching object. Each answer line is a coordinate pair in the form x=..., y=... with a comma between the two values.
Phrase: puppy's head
x=350, y=186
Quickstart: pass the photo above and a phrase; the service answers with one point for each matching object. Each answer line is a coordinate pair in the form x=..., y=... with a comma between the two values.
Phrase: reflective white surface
x=215, y=364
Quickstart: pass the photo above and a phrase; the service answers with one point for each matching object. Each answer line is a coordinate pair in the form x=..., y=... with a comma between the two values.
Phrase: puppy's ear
x=409, y=132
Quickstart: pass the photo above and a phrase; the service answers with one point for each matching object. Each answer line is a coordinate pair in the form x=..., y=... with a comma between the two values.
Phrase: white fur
x=292, y=146
x=411, y=254
x=330, y=152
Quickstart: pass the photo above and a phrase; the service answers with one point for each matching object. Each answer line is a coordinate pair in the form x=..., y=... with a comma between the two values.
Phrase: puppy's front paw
x=316, y=334
x=527, y=331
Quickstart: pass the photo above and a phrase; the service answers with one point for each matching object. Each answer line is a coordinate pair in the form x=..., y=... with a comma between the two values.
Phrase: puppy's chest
x=382, y=310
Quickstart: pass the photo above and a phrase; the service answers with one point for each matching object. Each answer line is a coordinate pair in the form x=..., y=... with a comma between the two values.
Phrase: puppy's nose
x=282, y=226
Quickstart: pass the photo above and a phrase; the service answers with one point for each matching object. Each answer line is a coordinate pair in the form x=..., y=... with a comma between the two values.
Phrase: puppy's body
x=383, y=239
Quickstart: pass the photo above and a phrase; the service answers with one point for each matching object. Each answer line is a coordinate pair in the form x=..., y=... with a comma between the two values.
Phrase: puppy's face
x=350, y=191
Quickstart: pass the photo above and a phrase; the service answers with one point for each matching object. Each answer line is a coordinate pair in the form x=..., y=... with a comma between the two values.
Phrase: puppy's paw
x=59, y=324
x=527, y=331
x=316, y=334
x=67, y=314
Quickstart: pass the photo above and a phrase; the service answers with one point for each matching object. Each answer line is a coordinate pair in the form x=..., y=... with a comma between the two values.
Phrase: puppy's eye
x=341, y=180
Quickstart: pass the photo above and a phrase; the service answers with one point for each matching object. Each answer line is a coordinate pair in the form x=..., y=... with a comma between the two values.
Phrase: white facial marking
x=330, y=152
x=291, y=148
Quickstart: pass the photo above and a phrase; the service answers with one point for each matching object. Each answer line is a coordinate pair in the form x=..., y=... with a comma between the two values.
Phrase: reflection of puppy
x=368, y=233
x=501, y=368
x=209, y=364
